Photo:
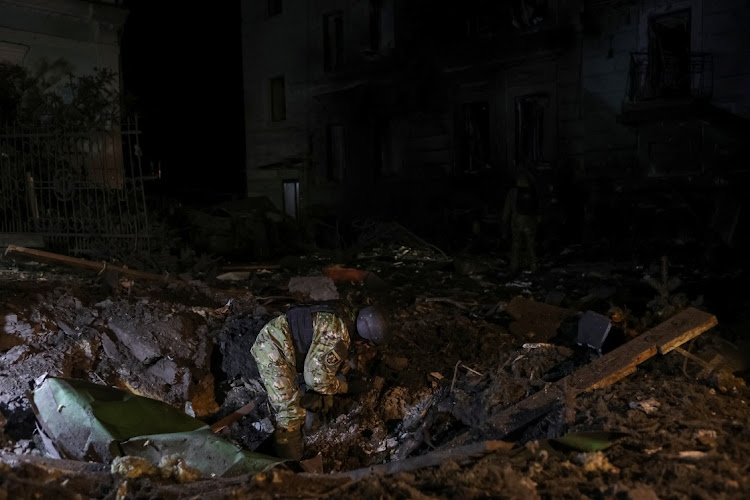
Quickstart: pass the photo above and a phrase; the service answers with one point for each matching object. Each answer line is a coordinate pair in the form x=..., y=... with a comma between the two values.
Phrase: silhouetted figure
x=521, y=212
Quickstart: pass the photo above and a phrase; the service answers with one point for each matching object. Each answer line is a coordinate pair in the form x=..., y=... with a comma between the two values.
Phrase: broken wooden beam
x=232, y=417
x=602, y=372
x=249, y=267
x=624, y=360
x=460, y=454
x=26, y=239
x=83, y=263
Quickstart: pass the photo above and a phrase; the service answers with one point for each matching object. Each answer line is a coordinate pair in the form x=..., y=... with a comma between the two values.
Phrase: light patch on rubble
x=15, y=354
x=414, y=413
x=265, y=425
x=596, y=461
x=647, y=406
x=175, y=467
x=342, y=430
x=706, y=437
x=394, y=403
x=11, y=320
x=88, y=347
x=132, y=467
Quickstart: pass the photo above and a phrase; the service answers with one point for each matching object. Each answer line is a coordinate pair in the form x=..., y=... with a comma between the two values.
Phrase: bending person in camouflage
x=313, y=340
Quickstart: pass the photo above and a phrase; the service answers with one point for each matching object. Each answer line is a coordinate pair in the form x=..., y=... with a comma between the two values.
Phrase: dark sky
x=182, y=71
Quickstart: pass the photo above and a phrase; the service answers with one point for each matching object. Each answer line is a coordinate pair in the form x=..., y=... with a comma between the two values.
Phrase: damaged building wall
x=461, y=98
x=415, y=95
x=295, y=55
x=61, y=189
x=275, y=77
x=664, y=118
x=84, y=35
x=610, y=35
x=624, y=45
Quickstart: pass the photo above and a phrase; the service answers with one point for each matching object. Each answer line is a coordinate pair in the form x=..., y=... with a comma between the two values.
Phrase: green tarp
x=86, y=421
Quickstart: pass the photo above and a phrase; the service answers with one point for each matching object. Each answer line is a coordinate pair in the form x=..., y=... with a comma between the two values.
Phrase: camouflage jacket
x=323, y=361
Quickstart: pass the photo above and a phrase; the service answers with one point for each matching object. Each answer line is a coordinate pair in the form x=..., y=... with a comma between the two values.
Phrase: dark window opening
x=669, y=54
x=336, y=152
x=376, y=24
x=290, y=198
x=476, y=132
x=333, y=41
x=529, y=114
x=529, y=13
x=278, y=99
x=275, y=7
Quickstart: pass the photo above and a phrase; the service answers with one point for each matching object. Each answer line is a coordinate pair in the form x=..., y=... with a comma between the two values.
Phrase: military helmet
x=523, y=179
x=372, y=324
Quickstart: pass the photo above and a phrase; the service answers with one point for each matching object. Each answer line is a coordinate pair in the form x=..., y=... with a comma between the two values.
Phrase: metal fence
x=82, y=192
x=652, y=77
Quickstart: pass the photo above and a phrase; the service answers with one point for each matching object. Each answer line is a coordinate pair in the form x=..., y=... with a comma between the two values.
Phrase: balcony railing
x=659, y=76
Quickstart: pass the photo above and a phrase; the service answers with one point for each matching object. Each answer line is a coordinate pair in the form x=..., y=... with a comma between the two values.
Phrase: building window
x=529, y=13
x=669, y=54
x=275, y=7
x=335, y=152
x=476, y=130
x=376, y=22
x=530, y=128
x=278, y=99
x=333, y=41
x=290, y=198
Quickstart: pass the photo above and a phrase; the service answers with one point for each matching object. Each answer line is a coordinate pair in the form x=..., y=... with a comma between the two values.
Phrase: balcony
x=666, y=86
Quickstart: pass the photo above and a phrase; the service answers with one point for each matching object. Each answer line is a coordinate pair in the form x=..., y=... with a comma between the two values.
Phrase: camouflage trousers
x=523, y=242
x=274, y=354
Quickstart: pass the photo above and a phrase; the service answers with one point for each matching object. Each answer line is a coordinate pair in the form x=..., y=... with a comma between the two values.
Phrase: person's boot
x=289, y=444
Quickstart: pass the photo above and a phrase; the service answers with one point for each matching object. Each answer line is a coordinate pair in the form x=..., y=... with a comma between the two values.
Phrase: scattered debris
x=234, y=276
x=313, y=288
x=602, y=372
x=692, y=455
x=99, y=267
x=461, y=454
x=597, y=462
x=647, y=406
x=459, y=371
x=98, y=423
x=233, y=417
x=535, y=321
x=593, y=329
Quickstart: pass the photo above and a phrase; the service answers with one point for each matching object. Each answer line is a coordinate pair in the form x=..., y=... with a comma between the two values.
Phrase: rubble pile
x=493, y=385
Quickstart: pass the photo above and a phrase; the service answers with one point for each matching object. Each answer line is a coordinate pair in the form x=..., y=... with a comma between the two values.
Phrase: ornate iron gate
x=81, y=191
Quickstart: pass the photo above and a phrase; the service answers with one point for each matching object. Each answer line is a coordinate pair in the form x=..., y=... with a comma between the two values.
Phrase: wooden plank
x=602, y=372
x=232, y=417
x=35, y=240
x=82, y=263
x=691, y=322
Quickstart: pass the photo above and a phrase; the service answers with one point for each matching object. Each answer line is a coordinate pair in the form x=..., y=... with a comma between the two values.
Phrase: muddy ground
x=676, y=428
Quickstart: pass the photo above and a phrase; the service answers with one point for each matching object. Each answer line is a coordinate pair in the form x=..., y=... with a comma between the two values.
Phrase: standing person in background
x=521, y=216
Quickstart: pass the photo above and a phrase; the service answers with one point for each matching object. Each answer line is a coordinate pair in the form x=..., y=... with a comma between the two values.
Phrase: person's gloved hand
x=357, y=383
x=311, y=401
x=289, y=444
x=315, y=402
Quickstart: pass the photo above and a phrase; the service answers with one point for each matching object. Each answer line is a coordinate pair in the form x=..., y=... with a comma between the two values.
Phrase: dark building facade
x=423, y=112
